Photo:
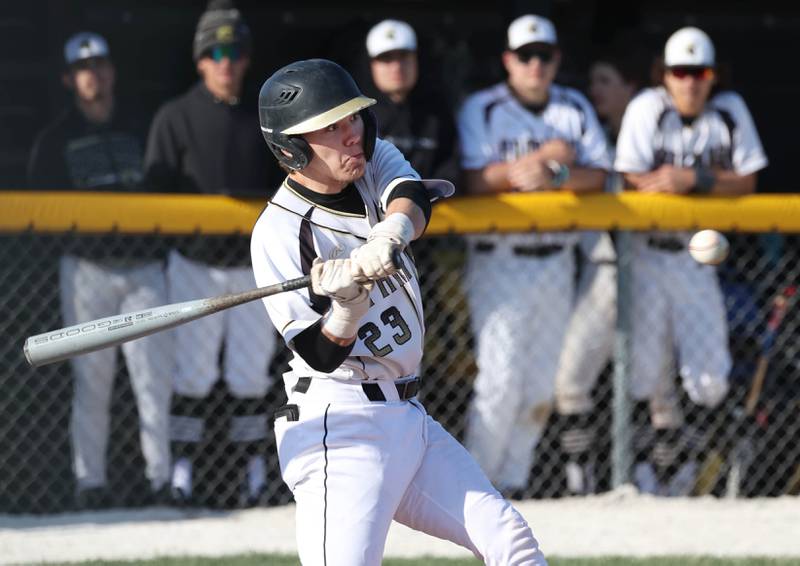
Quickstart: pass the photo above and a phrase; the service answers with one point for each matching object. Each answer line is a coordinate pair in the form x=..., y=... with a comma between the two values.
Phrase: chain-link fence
x=483, y=378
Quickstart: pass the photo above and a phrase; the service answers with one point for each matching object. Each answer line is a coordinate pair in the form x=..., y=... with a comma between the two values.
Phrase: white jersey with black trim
x=292, y=231
x=723, y=136
x=494, y=126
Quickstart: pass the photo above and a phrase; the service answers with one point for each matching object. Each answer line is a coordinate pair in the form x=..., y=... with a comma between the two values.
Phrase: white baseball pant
x=520, y=307
x=354, y=465
x=92, y=290
x=250, y=341
x=678, y=305
x=589, y=339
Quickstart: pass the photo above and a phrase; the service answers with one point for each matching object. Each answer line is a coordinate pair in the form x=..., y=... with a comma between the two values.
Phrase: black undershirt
x=347, y=200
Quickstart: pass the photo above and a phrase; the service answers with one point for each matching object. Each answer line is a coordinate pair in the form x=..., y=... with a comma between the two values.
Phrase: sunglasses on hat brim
x=544, y=53
x=696, y=72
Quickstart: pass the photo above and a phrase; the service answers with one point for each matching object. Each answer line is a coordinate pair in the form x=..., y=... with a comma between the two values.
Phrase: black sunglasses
x=544, y=54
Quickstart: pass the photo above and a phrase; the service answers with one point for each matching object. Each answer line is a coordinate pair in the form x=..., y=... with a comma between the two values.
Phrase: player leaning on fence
x=96, y=145
x=525, y=134
x=680, y=138
x=355, y=445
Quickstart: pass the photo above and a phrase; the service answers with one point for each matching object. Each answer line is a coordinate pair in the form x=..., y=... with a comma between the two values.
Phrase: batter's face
x=92, y=80
x=338, y=153
x=532, y=69
x=689, y=87
x=395, y=73
x=609, y=91
x=223, y=73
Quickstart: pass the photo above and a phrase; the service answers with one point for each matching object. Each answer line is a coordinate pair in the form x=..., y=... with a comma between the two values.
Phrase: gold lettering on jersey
x=392, y=283
x=386, y=286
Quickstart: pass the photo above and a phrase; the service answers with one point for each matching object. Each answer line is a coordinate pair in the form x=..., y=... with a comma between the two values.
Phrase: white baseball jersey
x=292, y=231
x=495, y=126
x=723, y=136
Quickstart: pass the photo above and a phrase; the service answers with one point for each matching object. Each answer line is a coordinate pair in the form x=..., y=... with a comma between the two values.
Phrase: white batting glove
x=373, y=260
x=350, y=300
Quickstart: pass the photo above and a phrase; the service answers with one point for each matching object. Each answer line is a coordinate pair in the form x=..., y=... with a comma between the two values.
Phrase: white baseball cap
x=531, y=29
x=85, y=45
x=391, y=35
x=689, y=46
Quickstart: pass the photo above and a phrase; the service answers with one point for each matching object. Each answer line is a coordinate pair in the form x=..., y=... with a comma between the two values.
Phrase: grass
x=276, y=560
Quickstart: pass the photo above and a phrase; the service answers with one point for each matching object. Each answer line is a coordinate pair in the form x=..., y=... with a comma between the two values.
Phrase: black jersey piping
x=317, y=224
x=307, y=255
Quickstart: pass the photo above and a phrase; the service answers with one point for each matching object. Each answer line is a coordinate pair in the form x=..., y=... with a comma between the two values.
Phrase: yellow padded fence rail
x=214, y=214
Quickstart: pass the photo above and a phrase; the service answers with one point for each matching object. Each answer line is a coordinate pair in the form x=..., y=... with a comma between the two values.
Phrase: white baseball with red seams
x=709, y=247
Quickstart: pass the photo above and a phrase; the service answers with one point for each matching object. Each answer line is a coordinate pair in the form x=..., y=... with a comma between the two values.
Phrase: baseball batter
x=526, y=134
x=679, y=139
x=355, y=446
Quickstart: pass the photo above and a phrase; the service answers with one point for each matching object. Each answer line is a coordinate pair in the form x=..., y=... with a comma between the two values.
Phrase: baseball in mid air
x=709, y=247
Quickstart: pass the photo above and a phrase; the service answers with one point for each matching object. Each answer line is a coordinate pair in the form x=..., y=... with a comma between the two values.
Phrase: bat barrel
x=106, y=332
x=91, y=336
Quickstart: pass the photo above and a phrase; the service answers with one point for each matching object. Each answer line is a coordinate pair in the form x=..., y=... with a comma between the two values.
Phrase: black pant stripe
x=325, y=491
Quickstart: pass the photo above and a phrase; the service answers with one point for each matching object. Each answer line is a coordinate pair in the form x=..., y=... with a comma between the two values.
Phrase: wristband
x=560, y=173
x=704, y=180
x=342, y=320
x=396, y=227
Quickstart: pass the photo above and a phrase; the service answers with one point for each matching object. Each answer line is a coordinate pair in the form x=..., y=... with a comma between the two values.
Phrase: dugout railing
x=36, y=229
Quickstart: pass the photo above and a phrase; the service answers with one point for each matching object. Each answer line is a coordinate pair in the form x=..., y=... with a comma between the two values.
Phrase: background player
x=96, y=145
x=355, y=446
x=526, y=134
x=680, y=139
x=416, y=120
x=589, y=340
x=204, y=142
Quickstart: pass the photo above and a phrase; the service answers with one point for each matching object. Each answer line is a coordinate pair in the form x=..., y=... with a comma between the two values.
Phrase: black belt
x=405, y=389
x=530, y=251
x=666, y=244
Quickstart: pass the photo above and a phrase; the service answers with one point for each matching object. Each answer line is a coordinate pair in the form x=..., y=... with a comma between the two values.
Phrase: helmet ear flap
x=300, y=153
x=370, y=131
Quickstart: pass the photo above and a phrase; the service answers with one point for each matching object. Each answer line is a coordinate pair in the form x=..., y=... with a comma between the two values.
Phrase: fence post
x=621, y=436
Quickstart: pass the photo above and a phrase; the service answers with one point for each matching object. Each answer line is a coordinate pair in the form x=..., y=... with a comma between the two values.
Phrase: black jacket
x=423, y=129
x=198, y=144
x=75, y=154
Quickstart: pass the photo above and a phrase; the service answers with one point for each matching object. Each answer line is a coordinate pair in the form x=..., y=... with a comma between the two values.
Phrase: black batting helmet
x=306, y=96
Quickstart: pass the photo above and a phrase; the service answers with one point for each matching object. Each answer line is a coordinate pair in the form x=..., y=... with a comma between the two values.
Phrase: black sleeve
x=318, y=351
x=47, y=169
x=415, y=191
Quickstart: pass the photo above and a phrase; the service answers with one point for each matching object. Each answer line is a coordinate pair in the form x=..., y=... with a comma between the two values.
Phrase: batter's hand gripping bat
x=86, y=337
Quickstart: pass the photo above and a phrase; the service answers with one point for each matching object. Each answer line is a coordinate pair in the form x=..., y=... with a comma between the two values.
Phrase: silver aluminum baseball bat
x=86, y=337
x=102, y=333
